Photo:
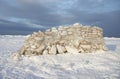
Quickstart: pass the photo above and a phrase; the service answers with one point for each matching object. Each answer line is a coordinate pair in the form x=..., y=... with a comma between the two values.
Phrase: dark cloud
x=109, y=21
x=7, y=27
x=25, y=16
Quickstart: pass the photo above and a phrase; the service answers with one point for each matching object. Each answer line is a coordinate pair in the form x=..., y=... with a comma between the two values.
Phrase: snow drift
x=98, y=65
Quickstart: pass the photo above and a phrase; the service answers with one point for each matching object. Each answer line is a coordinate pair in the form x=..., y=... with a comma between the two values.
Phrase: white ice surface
x=98, y=65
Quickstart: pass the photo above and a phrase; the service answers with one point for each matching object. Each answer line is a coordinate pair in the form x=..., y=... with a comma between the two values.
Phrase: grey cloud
x=109, y=21
x=38, y=13
x=60, y=12
x=7, y=27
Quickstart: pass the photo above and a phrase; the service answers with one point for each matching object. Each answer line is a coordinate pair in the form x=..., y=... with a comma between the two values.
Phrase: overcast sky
x=26, y=16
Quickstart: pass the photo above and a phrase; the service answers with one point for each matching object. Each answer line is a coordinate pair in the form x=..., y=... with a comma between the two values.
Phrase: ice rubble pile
x=74, y=38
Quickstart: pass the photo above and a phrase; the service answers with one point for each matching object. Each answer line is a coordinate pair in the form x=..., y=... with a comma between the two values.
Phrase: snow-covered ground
x=98, y=65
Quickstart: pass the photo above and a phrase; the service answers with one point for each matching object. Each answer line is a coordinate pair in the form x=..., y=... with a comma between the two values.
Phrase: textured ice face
x=76, y=37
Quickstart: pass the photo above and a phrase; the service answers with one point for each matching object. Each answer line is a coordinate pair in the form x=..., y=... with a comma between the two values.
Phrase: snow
x=98, y=65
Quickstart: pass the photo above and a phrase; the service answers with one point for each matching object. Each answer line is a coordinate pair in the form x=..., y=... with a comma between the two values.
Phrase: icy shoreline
x=105, y=65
